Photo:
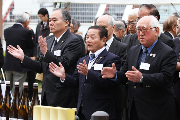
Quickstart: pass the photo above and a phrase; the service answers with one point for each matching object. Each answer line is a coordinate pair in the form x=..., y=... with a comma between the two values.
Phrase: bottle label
x=12, y=118
x=20, y=119
x=3, y=118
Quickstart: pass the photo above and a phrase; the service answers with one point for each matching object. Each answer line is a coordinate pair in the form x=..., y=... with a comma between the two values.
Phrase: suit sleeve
x=71, y=53
x=32, y=64
x=164, y=77
x=123, y=54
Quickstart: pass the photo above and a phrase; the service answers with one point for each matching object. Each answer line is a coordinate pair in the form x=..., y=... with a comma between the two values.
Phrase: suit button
x=134, y=86
x=84, y=83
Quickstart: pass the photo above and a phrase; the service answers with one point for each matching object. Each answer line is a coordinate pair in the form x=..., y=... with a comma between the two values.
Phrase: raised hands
x=109, y=72
x=16, y=52
x=134, y=75
x=83, y=68
x=56, y=70
x=42, y=45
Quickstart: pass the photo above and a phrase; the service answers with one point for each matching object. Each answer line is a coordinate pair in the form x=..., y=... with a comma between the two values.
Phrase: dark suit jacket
x=168, y=34
x=118, y=39
x=176, y=78
x=56, y=94
x=82, y=45
x=155, y=94
x=95, y=93
x=119, y=49
x=16, y=35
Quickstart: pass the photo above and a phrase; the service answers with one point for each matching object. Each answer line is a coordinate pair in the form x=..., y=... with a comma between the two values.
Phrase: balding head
x=148, y=30
x=108, y=22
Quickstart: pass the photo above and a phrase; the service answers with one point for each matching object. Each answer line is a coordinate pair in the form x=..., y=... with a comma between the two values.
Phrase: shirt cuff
x=62, y=80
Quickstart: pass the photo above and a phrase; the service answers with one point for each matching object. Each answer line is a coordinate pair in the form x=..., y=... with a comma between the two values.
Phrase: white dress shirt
x=108, y=43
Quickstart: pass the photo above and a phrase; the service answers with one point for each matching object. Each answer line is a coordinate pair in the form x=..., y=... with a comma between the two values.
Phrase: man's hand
x=18, y=53
x=42, y=45
x=134, y=76
x=83, y=68
x=109, y=72
x=33, y=58
x=58, y=71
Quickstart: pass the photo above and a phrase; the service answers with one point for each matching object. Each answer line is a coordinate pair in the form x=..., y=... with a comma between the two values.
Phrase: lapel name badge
x=153, y=55
x=98, y=66
x=98, y=59
x=57, y=52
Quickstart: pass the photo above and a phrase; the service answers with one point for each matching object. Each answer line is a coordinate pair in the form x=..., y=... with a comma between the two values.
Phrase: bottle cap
x=7, y=82
x=25, y=84
x=35, y=84
x=16, y=83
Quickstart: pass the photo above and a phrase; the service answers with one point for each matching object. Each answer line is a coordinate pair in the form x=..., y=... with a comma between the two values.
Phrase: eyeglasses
x=143, y=29
x=131, y=23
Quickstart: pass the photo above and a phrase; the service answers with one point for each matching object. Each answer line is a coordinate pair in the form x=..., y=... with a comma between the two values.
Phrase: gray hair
x=134, y=12
x=22, y=17
x=65, y=15
x=111, y=21
x=153, y=23
x=119, y=26
x=75, y=22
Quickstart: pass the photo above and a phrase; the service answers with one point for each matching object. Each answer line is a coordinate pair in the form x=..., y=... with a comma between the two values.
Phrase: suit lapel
x=62, y=39
x=50, y=42
x=100, y=57
x=136, y=57
x=113, y=47
x=154, y=52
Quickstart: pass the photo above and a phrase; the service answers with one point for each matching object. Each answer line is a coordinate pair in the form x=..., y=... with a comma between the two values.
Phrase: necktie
x=55, y=42
x=92, y=56
x=144, y=55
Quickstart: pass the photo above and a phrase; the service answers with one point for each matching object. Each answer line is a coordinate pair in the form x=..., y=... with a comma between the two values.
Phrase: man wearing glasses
x=148, y=69
x=131, y=25
x=145, y=10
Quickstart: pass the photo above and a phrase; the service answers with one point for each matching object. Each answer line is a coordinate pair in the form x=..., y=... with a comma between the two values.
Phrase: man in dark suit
x=63, y=47
x=74, y=26
x=117, y=48
x=17, y=35
x=95, y=93
x=119, y=30
x=176, y=77
x=169, y=26
x=145, y=10
x=42, y=28
x=149, y=69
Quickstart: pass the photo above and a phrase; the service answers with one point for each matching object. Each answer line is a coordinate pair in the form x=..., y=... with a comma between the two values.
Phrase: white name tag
x=145, y=66
x=57, y=53
x=98, y=66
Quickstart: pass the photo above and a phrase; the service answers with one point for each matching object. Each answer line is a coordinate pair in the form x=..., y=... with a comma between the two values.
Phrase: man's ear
x=173, y=28
x=157, y=31
x=66, y=23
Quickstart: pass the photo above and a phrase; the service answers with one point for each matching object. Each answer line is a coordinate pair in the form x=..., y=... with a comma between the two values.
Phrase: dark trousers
x=44, y=100
x=31, y=80
x=133, y=113
x=81, y=114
